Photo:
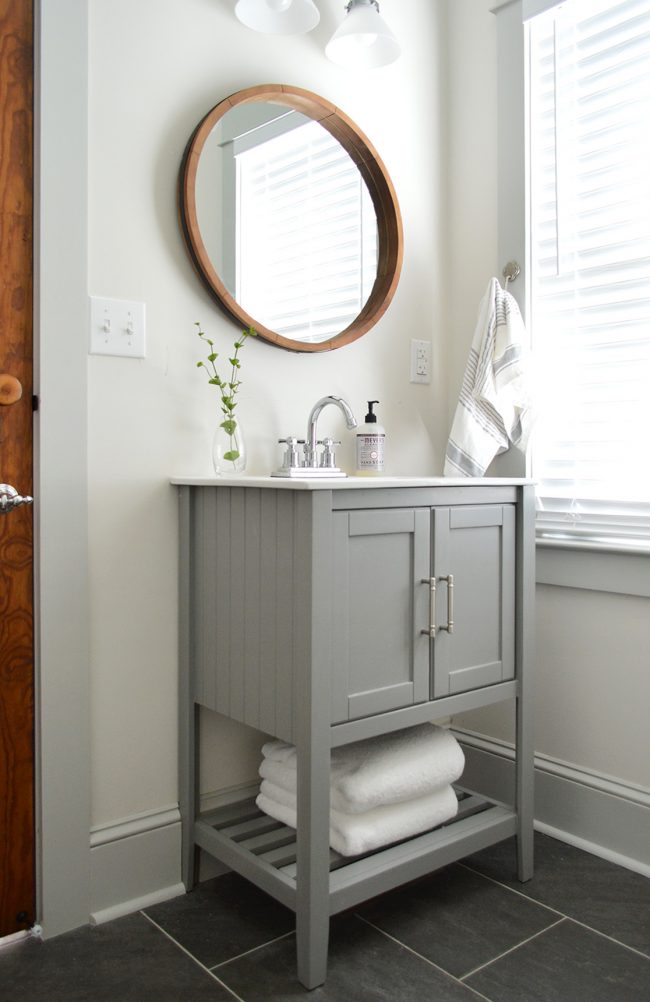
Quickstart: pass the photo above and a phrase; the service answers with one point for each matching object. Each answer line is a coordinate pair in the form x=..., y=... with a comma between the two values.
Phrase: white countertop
x=343, y=483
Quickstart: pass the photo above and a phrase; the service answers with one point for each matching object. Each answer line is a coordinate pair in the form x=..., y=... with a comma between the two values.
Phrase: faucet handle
x=291, y=454
x=328, y=459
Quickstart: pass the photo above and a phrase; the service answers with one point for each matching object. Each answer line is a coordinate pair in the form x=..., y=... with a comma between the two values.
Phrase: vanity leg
x=312, y=904
x=313, y=616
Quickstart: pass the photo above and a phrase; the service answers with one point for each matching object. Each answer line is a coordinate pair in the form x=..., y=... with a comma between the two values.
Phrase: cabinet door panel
x=380, y=659
x=476, y=546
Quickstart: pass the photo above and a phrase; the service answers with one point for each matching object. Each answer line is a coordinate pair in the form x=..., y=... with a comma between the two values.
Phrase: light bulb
x=365, y=39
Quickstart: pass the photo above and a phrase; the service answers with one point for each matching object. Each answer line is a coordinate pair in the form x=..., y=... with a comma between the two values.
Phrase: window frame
x=572, y=563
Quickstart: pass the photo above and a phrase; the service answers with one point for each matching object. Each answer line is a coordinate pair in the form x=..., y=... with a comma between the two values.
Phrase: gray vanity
x=326, y=611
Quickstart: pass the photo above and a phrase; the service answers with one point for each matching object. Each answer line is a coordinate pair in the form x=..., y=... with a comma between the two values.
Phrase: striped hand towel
x=494, y=408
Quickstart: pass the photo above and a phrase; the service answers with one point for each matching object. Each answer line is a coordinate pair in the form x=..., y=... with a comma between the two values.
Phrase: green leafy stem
x=227, y=387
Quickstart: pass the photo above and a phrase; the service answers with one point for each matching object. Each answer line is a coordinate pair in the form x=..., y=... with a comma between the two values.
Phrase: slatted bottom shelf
x=264, y=850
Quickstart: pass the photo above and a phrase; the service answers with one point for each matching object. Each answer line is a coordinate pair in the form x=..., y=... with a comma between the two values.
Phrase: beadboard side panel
x=250, y=569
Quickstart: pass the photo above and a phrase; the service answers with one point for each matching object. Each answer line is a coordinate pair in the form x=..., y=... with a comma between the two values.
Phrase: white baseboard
x=135, y=863
x=597, y=813
x=136, y=904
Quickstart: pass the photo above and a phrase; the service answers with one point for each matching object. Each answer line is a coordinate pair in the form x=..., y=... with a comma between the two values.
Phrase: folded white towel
x=388, y=769
x=494, y=408
x=353, y=834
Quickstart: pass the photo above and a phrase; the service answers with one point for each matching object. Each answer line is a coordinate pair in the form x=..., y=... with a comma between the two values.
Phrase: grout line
x=507, y=887
x=193, y=958
x=571, y=918
x=276, y=939
x=426, y=960
x=633, y=949
x=505, y=953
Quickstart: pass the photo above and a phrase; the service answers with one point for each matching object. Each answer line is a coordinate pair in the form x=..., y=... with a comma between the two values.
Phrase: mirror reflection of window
x=295, y=234
x=306, y=234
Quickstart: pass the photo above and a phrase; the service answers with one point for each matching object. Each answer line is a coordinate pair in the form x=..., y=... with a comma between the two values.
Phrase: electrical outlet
x=117, y=327
x=420, y=361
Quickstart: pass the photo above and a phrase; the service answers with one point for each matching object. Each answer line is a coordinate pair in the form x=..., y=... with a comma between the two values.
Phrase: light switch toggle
x=117, y=327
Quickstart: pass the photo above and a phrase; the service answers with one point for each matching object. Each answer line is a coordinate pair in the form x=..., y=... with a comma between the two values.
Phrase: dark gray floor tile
x=566, y=963
x=609, y=898
x=364, y=966
x=457, y=918
x=222, y=918
x=127, y=960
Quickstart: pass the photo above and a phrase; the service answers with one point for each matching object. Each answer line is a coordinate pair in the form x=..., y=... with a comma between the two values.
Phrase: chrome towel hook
x=510, y=272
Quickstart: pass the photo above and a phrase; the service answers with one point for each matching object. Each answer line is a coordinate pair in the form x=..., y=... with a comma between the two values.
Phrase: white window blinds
x=589, y=312
x=307, y=251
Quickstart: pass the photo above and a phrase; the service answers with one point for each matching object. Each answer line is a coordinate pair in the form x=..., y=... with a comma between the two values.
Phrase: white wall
x=156, y=67
x=592, y=678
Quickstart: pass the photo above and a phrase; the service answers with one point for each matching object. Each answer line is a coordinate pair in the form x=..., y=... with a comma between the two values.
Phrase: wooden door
x=476, y=546
x=380, y=658
x=17, y=831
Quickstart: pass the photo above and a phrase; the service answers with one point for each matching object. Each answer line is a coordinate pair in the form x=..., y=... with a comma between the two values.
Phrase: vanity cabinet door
x=380, y=658
x=476, y=547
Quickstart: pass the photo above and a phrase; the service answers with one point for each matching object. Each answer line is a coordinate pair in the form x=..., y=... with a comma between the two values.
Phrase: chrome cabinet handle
x=431, y=631
x=10, y=499
x=450, y=603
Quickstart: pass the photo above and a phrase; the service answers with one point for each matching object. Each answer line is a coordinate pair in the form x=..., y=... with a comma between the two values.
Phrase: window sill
x=594, y=567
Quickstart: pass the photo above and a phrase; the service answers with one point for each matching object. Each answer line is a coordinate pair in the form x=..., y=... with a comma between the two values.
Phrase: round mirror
x=290, y=218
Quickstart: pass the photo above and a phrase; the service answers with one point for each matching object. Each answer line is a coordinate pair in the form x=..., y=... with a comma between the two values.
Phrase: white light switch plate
x=420, y=362
x=117, y=327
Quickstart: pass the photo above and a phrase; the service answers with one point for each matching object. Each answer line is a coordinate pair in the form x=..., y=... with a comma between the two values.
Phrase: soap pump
x=371, y=438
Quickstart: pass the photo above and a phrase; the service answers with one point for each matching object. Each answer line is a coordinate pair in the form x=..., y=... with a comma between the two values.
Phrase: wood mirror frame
x=373, y=172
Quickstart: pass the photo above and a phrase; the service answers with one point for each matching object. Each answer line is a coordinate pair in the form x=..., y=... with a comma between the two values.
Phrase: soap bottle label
x=370, y=453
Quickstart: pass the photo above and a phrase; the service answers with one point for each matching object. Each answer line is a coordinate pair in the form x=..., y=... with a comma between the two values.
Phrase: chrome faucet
x=310, y=444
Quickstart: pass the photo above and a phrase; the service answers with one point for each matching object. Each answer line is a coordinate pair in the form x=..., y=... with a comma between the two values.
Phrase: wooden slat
x=253, y=589
x=279, y=837
x=281, y=857
x=270, y=599
x=254, y=868
x=220, y=606
x=286, y=655
x=246, y=829
x=238, y=617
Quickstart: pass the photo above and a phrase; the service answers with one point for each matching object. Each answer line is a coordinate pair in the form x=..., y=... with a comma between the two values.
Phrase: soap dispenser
x=370, y=445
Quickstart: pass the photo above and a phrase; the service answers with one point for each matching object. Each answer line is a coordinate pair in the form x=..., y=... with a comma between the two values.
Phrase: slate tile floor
x=578, y=932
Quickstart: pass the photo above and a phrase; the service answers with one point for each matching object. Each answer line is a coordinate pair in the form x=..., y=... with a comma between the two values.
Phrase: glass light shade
x=363, y=39
x=278, y=17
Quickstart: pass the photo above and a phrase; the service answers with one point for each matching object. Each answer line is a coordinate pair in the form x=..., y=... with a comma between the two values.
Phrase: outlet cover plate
x=420, y=362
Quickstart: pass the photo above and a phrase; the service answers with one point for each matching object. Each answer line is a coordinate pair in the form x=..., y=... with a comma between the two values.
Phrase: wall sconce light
x=278, y=17
x=363, y=40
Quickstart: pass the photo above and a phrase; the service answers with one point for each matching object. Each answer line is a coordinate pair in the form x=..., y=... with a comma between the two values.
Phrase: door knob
x=10, y=389
x=10, y=499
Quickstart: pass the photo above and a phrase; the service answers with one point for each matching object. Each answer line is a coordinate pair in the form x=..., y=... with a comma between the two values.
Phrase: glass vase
x=228, y=448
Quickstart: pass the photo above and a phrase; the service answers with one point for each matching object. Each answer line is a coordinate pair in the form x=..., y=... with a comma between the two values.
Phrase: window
x=589, y=269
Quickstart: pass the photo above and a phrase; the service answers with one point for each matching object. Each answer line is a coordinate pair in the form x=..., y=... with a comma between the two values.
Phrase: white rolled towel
x=354, y=834
x=388, y=769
